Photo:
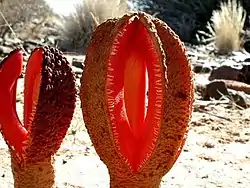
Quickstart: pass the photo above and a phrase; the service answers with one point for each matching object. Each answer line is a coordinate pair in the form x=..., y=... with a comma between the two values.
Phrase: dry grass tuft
x=77, y=28
x=226, y=28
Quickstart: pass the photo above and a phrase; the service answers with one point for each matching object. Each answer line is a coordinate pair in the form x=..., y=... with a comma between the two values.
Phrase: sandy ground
x=216, y=154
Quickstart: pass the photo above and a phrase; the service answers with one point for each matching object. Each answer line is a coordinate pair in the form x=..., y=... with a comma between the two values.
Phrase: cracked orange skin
x=137, y=94
x=49, y=102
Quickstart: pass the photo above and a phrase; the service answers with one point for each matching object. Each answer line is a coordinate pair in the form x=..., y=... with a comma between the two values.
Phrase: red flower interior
x=14, y=132
x=32, y=86
x=134, y=88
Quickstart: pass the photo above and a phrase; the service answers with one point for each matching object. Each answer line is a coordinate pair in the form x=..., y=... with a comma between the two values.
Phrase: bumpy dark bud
x=49, y=102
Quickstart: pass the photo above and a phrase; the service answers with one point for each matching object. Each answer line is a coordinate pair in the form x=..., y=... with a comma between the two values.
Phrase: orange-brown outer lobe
x=176, y=107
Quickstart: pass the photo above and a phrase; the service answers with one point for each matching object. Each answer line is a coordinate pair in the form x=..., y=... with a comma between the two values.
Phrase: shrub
x=226, y=28
x=19, y=13
x=77, y=28
x=185, y=17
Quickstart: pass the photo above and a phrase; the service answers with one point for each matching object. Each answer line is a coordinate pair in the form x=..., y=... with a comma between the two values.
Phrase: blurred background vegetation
x=20, y=13
x=187, y=17
x=195, y=21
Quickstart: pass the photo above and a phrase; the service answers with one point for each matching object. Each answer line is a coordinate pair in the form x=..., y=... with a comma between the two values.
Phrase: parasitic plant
x=49, y=102
x=137, y=95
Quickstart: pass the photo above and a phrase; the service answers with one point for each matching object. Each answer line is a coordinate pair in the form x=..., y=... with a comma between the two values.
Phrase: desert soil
x=216, y=154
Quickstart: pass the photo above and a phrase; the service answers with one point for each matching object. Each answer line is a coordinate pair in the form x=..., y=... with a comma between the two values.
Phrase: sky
x=63, y=7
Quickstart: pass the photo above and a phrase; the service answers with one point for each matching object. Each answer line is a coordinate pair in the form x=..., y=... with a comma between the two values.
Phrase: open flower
x=49, y=102
x=137, y=94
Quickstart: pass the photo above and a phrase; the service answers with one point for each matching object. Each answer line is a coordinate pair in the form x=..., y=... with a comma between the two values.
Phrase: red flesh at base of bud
x=32, y=86
x=14, y=133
